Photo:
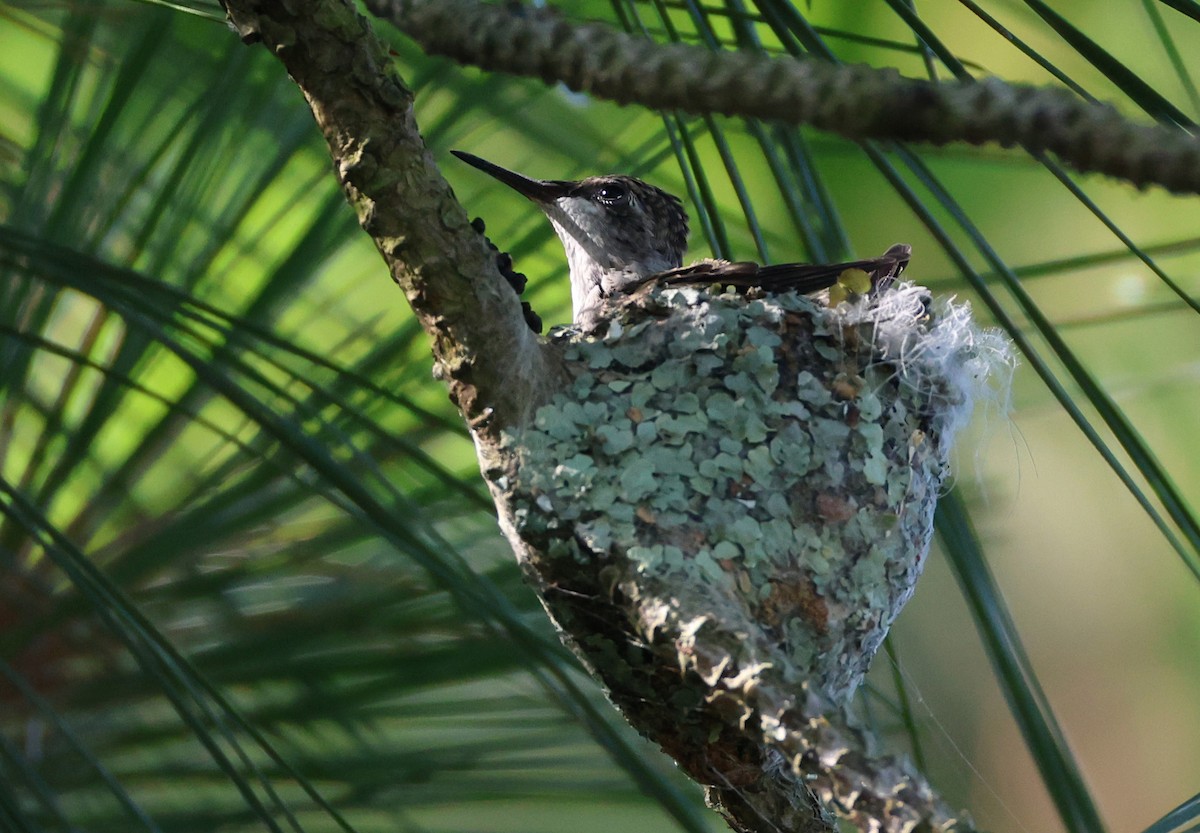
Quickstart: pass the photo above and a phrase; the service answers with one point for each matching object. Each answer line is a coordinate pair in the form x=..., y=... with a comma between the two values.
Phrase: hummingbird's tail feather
x=804, y=278
x=889, y=266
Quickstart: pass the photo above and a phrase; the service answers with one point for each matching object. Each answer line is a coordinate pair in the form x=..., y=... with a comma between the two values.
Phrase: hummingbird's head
x=616, y=229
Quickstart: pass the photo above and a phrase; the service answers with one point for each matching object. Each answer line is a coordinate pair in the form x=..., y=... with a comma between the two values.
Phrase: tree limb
x=857, y=102
x=491, y=360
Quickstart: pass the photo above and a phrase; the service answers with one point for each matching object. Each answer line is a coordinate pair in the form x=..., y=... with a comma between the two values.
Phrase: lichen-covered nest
x=772, y=460
x=732, y=499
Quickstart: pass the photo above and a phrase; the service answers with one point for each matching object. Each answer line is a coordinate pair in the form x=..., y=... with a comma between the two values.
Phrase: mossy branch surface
x=735, y=661
x=857, y=102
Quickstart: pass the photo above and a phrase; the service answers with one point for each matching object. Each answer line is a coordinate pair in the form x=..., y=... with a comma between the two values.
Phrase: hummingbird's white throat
x=604, y=257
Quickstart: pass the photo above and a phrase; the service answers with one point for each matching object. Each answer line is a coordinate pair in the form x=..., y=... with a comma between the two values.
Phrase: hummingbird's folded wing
x=788, y=277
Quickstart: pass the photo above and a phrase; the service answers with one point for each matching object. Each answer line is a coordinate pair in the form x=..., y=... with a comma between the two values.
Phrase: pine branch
x=857, y=102
x=492, y=362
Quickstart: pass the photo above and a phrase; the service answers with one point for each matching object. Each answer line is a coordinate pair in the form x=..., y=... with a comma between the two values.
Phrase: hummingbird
x=621, y=233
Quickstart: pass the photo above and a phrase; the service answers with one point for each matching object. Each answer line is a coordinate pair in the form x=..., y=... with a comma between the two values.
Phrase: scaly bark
x=858, y=102
x=496, y=368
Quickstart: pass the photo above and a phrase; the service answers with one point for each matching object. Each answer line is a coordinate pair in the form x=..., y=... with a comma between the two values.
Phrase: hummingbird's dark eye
x=612, y=194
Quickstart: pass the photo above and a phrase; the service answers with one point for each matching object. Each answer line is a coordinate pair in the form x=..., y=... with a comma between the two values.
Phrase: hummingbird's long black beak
x=538, y=190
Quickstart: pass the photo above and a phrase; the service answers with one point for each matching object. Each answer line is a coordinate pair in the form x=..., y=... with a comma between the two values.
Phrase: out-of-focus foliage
x=251, y=580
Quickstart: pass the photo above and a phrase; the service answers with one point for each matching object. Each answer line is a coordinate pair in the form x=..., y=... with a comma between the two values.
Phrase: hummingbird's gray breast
x=608, y=251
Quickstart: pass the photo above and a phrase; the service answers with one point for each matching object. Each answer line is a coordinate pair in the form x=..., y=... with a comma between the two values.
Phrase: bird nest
x=732, y=498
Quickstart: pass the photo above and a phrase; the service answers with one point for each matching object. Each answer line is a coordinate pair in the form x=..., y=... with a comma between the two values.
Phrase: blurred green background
x=251, y=579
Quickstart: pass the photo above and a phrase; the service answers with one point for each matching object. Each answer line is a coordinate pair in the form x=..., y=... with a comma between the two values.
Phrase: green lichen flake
x=771, y=464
